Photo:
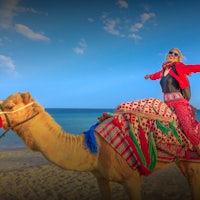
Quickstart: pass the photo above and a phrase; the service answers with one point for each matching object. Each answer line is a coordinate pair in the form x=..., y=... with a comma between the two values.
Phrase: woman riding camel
x=176, y=89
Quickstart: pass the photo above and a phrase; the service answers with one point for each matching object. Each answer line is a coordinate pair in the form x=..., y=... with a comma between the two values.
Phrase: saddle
x=138, y=130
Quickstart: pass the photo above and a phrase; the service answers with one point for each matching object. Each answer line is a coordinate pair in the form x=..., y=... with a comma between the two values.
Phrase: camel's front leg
x=105, y=188
x=133, y=187
x=192, y=172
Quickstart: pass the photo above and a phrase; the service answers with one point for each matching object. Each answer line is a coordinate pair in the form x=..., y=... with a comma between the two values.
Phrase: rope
x=20, y=123
x=8, y=112
x=4, y=133
x=10, y=128
x=8, y=121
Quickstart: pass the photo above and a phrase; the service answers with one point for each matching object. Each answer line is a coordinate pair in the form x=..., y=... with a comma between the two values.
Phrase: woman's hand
x=147, y=76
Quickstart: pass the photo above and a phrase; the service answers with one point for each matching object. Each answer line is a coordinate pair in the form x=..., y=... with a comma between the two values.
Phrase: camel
x=29, y=120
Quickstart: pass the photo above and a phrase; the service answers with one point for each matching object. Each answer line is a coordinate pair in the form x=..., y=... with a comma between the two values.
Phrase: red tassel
x=1, y=123
x=144, y=145
x=187, y=154
x=116, y=122
x=142, y=169
x=104, y=114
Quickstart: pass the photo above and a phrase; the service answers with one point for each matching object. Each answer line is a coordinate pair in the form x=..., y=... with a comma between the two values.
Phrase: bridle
x=20, y=123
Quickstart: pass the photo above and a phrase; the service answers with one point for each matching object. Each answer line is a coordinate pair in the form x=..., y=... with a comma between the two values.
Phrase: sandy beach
x=28, y=175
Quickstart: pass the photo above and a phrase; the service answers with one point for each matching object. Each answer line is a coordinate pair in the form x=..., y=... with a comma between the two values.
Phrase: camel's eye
x=9, y=106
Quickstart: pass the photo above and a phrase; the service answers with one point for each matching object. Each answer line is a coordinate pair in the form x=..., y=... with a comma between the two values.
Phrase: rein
x=20, y=123
x=21, y=108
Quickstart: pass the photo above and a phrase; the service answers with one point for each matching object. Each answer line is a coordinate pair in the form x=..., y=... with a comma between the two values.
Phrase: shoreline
x=25, y=174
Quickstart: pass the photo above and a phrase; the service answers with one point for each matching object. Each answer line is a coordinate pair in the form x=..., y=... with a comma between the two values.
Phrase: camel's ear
x=26, y=96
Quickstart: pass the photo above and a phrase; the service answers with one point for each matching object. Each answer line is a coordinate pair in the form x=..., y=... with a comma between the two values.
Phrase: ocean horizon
x=72, y=120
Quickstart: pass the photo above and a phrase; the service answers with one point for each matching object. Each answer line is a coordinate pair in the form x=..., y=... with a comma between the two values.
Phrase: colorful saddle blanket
x=138, y=128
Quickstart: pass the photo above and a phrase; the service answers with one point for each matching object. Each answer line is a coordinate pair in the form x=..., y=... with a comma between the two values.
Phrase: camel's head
x=16, y=109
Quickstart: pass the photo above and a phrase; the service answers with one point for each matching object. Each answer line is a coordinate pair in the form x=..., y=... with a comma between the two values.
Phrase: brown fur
x=68, y=151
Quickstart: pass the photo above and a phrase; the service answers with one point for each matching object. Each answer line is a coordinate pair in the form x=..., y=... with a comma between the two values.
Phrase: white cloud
x=7, y=63
x=81, y=48
x=26, y=31
x=146, y=16
x=134, y=36
x=78, y=50
x=122, y=3
x=111, y=26
x=7, y=12
x=83, y=43
x=30, y=10
x=91, y=20
x=9, y=9
x=136, y=27
x=123, y=26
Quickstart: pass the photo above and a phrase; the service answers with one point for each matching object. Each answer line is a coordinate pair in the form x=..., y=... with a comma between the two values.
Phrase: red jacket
x=182, y=70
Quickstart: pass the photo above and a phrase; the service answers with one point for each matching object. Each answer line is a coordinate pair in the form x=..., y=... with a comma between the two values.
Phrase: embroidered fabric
x=172, y=96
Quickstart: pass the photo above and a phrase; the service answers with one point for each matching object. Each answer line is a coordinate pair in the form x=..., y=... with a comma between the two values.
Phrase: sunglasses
x=173, y=53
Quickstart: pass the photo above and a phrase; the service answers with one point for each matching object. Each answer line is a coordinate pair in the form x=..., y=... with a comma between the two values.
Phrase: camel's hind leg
x=192, y=172
x=133, y=187
x=105, y=188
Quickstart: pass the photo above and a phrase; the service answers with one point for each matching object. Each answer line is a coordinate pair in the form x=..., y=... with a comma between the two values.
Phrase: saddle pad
x=114, y=136
x=190, y=156
x=144, y=114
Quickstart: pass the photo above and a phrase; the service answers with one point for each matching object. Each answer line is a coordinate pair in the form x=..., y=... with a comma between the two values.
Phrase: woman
x=173, y=81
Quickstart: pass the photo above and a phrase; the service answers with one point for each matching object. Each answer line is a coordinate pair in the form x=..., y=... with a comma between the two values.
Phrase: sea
x=75, y=121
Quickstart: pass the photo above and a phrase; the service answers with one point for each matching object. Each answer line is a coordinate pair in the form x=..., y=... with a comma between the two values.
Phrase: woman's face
x=173, y=56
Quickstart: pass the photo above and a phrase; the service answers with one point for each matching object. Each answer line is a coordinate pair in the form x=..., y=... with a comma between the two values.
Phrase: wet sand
x=27, y=175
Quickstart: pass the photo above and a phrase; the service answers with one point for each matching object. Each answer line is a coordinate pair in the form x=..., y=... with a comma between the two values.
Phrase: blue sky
x=93, y=54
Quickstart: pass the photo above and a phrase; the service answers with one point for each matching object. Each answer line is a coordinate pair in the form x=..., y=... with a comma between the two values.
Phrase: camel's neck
x=66, y=150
